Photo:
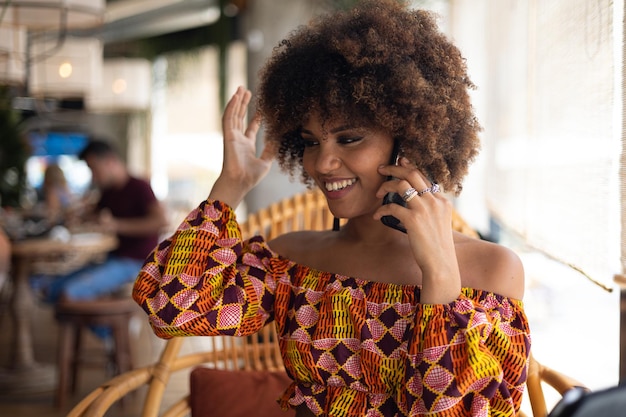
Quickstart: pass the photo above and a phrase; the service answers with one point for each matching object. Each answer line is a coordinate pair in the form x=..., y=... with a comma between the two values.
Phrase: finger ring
x=432, y=189
x=409, y=194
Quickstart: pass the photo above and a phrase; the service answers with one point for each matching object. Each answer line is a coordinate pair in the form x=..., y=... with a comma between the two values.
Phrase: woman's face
x=343, y=160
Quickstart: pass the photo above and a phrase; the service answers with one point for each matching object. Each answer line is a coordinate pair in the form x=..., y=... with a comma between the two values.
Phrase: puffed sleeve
x=205, y=280
x=470, y=355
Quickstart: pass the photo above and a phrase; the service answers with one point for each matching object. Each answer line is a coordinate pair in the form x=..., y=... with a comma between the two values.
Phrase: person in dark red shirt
x=128, y=208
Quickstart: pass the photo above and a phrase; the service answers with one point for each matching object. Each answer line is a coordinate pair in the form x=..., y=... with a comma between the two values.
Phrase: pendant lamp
x=53, y=14
x=126, y=86
x=71, y=70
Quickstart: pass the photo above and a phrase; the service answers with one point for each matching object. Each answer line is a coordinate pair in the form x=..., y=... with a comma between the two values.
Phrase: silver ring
x=432, y=189
x=409, y=194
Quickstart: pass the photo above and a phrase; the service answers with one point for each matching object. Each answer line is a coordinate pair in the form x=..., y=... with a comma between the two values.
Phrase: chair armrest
x=96, y=403
x=538, y=373
x=179, y=409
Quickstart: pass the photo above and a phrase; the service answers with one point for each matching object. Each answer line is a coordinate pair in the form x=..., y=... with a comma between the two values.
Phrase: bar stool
x=73, y=317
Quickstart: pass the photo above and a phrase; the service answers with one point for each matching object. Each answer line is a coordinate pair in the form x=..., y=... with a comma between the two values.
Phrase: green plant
x=14, y=151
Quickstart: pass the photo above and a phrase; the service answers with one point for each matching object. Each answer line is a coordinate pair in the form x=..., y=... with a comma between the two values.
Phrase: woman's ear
x=395, y=153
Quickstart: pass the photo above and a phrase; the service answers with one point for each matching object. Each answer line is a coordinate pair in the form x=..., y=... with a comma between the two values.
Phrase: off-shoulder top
x=353, y=347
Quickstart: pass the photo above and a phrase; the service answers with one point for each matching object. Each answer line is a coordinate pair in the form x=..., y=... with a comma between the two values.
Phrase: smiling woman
x=364, y=314
x=330, y=144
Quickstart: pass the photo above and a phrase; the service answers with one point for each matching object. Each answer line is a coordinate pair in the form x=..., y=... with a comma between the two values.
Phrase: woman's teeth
x=338, y=185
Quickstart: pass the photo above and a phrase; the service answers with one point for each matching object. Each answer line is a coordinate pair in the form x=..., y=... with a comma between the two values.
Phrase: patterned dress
x=353, y=347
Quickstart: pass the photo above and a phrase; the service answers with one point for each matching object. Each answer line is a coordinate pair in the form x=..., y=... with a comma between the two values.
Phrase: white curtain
x=553, y=128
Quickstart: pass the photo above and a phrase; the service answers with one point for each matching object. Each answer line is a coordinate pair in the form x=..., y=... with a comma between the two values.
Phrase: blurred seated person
x=126, y=207
x=56, y=195
x=5, y=257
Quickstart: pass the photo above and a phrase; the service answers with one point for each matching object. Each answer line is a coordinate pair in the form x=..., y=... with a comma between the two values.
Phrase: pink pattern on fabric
x=405, y=309
x=185, y=317
x=419, y=408
x=480, y=407
x=186, y=279
x=161, y=257
x=301, y=335
x=157, y=322
x=313, y=297
x=227, y=242
x=212, y=213
x=210, y=227
x=307, y=316
x=159, y=301
x=353, y=367
x=252, y=261
x=435, y=353
x=376, y=328
x=258, y=285
x=398, y=330
x=325, y=344
x=370, y=345
x=328, y=363
x=352, y=344
x=229, y=316
x=225, y=256
x=479, y=384
x=415, y=384
x=445, y=403
x=438, y=378
x=152, y=271
x=185, y=299
x=374, y=309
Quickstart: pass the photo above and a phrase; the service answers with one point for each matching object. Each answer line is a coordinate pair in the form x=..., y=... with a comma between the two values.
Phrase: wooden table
x=41, y=255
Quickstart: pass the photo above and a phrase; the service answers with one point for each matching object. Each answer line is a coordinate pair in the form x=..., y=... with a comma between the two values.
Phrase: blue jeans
x=93, y=281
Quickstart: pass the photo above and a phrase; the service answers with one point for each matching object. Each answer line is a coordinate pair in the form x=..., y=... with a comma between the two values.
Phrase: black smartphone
x=393, y=197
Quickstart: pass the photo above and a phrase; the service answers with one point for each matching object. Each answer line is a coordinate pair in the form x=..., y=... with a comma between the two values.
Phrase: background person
x=56, y=195
x=371, y=320
x=5, y=258
x=128, y=208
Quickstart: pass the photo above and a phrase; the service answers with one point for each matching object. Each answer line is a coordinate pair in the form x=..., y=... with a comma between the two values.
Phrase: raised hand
x=242, y=169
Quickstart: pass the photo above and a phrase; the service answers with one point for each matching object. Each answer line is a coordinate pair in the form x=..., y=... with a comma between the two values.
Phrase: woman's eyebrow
x=335, y=130
x=342, y=128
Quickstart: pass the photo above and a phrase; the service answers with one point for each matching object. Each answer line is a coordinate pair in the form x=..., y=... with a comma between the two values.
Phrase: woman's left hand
x=427, y=218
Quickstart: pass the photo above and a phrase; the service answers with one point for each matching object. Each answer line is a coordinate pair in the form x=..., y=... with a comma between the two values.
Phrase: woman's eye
x=348, y=140
x=309, y=143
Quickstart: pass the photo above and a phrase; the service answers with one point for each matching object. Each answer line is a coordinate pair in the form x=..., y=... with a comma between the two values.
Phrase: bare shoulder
x=490, y=266
x=294, y=245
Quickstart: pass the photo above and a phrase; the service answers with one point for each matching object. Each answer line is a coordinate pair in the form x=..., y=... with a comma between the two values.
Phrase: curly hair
x=380, y=64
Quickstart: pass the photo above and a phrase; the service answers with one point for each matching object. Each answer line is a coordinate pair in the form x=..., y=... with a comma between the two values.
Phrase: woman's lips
x=338, y=188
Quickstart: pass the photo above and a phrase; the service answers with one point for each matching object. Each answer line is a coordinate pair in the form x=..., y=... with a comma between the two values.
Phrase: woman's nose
x=328, y=159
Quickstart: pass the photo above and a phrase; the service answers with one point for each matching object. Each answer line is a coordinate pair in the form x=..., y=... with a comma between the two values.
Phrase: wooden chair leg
x=65, y=362
x=122, y=345
x=76, y=357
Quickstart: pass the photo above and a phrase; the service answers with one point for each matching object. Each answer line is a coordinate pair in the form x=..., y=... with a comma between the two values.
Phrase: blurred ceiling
x=149, y=27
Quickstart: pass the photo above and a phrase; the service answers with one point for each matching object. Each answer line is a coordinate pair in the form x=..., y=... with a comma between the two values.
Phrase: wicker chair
x=260, y=353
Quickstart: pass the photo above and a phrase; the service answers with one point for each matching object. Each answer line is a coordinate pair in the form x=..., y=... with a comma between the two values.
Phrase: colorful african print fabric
x=353, y=347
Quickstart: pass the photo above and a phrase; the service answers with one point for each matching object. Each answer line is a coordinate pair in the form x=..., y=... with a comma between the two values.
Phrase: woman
x=372, y=321
x=57, y=197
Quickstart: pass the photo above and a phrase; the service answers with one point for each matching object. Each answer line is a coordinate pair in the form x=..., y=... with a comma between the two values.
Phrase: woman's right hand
x=242, y=169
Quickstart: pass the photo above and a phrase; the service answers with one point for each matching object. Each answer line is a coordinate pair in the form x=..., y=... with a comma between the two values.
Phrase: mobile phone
x=393, y=197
